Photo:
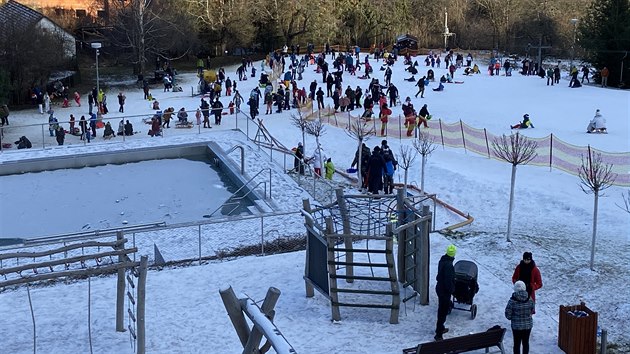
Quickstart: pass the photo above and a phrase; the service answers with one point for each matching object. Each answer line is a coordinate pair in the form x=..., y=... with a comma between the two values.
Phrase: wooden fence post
x=551, y=152
x=461, y=127
x=485, y=133
x=441, y=133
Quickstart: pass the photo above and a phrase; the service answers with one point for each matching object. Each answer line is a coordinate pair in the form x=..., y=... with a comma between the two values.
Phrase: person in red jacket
x=529, y=274
x=384, y=116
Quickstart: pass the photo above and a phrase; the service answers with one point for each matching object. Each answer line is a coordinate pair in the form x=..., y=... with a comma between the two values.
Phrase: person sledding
x=597, y=124
x=526, y=123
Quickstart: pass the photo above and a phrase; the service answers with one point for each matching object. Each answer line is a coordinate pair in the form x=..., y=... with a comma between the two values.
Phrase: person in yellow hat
x=444, y=288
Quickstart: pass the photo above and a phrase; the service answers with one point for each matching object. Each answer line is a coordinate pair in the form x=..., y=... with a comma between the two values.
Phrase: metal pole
x=97, y=78
x=574, y=21
x=262, y=235
x=199, y=246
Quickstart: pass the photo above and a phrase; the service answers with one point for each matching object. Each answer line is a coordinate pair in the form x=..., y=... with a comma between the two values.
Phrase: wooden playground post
x=141, y=296
x=120, y=287
x=345, y=218
x=310, y=290
x=334, y=296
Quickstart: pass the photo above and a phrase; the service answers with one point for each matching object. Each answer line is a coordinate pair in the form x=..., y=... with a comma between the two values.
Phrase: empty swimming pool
x=88, y=198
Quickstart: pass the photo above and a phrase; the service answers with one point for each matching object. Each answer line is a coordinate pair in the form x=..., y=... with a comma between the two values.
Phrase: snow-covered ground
x=552, y=219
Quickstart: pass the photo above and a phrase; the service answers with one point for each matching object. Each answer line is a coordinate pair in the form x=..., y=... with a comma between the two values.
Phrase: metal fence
x=194, y=242
x=44, y=140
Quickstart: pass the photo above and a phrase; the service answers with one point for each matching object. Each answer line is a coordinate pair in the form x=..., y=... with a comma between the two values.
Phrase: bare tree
x=150, y=28
x=28, y=55
x=225, y=22
x=516, y=150
x=626, y=202
x=316, y=128
x=595, y=176
x=498, y=14
x=424, y=145
x=292, y=19
x=360, y=131
x=300, y=122
x=407, y=157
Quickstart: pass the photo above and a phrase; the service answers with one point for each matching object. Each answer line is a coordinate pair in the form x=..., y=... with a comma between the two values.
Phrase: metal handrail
x=237, y=201
x=240, y=147
x=246, y=184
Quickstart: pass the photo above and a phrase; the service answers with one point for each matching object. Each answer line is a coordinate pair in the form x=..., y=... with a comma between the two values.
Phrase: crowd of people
x=282, y=92
x=376, y=168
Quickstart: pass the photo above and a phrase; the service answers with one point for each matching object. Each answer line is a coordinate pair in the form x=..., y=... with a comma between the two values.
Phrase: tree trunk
x=595, y=205
x=511, y=208
x=405, y=186
x=424, y=162
x=141, y=42
x=359, y=164
x=319, y=152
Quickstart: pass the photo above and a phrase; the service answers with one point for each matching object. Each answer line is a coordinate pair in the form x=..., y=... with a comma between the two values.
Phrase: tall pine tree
x=605, y=35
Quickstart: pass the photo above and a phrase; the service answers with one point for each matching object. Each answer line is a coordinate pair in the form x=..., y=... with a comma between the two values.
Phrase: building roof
x=13, y=13
x=406, y=37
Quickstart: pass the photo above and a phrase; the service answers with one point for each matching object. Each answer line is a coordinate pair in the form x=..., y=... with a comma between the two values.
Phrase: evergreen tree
x=605, y=35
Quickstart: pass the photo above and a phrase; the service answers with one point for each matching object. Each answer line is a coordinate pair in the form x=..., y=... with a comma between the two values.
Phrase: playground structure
x=261, y=317
x=365, y=227
x=86, y=260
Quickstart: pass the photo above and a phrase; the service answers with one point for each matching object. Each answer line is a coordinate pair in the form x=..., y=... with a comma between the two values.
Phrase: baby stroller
x=466, y=287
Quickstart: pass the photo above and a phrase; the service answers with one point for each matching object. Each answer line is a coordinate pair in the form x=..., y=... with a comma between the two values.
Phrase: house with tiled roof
x=15, y=17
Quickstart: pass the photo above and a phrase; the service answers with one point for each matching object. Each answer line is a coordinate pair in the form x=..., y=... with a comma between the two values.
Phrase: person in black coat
x=128, y=128
x=376, y=165
x=444, y=288
x=217, y=109
x=61, y=135
x=335, y=98
x=298, y=165
x=23, y=143
x=330, y=81
x=312, y=89
x=392, y=91
x=365, y=159
x=320, y=98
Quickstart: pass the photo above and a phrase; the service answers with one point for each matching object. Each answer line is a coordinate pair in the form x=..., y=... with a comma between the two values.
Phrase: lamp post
x=96, y=46
x=574, y=21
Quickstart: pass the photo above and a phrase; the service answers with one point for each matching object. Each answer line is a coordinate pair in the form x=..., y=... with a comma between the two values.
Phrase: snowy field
x=552, y=219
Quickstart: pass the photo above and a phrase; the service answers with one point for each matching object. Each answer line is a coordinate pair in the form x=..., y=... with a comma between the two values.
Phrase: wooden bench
x=482, y=340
